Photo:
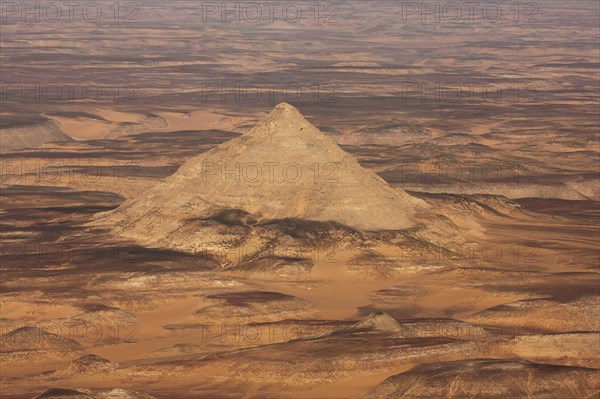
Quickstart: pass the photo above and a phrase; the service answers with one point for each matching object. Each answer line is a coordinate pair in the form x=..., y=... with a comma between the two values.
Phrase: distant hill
x=30, y=135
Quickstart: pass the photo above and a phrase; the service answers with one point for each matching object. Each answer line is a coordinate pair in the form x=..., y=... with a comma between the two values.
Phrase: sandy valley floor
x=122, y=276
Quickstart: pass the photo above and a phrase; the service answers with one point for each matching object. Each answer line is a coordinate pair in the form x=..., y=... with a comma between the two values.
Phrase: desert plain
x=374, y=200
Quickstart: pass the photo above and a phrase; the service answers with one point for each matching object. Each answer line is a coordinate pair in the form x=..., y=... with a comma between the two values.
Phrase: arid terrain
x=321, y=201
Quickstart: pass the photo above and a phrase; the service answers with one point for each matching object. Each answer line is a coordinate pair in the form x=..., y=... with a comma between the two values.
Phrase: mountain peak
x=380, y=321
x=285, y=107
x=285, y=111
x=285, y=120
x=283, y=168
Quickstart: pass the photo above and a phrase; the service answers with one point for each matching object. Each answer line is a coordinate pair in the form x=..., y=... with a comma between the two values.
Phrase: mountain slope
x=283, y=168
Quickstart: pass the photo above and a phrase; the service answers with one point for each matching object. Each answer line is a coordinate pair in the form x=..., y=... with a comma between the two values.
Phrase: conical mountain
x=36, y=339
x=380, y=321
x=283, y=168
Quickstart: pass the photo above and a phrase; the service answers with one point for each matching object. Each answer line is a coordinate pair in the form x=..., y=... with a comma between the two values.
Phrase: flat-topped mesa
x=283, y=168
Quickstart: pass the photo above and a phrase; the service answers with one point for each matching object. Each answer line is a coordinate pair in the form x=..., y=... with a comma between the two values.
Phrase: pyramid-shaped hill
x=283, y=168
